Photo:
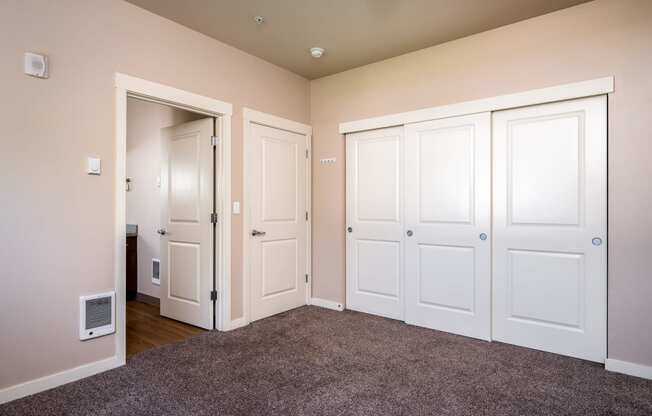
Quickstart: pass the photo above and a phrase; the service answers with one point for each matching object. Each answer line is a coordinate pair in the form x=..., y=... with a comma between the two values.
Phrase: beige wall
x=601, y=38
x=144, y=123
x=56, y=233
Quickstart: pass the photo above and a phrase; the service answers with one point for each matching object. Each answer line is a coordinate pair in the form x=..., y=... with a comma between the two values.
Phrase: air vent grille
x=156, y=270
x=98, y=312
x=96, y=315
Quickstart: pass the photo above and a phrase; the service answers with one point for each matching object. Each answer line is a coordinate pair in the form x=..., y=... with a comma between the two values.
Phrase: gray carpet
x=312, y=361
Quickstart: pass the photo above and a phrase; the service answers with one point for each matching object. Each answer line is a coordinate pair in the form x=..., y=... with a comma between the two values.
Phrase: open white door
x=374, y=216
x=448, y=209
x=278, y=234
x=550, y=224
x=186, y=227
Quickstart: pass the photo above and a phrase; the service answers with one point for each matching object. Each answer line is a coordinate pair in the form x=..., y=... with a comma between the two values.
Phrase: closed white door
x=374, y=238
x=447, y=217
x=278, y=233
x=549, y=263
x=186, y=228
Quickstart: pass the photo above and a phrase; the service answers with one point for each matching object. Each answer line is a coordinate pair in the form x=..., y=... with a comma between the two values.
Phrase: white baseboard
x=237, y=323
x=54, y=380
x=328, y=304
x=625, y=367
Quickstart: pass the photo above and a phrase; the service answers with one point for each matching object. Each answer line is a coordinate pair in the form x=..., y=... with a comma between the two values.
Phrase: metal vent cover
x=156, y=263
x=98, y=312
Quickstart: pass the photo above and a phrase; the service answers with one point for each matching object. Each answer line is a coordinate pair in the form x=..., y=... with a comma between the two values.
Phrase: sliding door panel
x=374, y=243
x=447, y=250
x=549, y=265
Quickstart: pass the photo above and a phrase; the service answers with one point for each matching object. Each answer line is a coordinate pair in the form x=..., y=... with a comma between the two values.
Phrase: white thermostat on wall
x=36, y=65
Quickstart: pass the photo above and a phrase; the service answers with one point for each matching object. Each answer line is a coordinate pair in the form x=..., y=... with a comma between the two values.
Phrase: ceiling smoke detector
x=259, y=20
x=316, y=52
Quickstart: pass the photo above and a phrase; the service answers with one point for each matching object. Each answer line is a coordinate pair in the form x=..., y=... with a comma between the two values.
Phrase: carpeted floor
x=312, y=361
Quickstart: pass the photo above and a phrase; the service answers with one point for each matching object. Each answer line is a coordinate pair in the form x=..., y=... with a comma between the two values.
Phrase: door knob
x=162, y=231
x=256, y=233
x=349, y=229
x=483, y=236
x=409, y=233
x=597, y=241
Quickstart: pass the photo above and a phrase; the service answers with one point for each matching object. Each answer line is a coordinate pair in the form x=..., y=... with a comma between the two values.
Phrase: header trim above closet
x=562, y=92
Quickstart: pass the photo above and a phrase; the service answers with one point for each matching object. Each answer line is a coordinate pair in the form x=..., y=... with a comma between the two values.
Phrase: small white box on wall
x=36, y=65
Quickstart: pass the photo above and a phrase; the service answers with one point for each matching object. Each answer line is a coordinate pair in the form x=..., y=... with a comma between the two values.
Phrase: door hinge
x=215, y=140
x=306, y=153
x=306, y=215
x=306, y=277
x=213, y=295
x=213, y=217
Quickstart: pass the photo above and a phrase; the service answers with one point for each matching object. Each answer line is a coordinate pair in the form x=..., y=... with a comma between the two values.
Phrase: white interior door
x=278, y=238
x=447, y=216
x=186, y=206
x=374, y=243
x=550, y=183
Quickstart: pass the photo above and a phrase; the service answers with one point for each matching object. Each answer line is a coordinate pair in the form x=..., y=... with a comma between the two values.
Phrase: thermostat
x=36, y=65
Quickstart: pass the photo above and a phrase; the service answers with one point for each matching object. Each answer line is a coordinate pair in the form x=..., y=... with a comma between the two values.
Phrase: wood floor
x=146, y=329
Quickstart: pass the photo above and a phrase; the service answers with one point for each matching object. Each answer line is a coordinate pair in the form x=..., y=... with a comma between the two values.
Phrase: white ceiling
x=353, y=32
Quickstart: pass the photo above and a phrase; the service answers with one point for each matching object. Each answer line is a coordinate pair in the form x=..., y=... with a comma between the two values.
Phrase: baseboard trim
x=625, y=367
x=237, y=323
x=58, y=379
x=328, y=304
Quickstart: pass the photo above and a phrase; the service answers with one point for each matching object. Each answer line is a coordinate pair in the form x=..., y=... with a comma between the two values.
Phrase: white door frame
x=250, y=116
x=128, y=86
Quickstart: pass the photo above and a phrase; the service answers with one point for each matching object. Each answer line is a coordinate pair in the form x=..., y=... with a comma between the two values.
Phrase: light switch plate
x=236, y=207
x=94, y=166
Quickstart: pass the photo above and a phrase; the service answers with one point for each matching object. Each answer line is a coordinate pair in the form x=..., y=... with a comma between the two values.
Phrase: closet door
x=550, y=182
x=374, y=238
x=447, y=205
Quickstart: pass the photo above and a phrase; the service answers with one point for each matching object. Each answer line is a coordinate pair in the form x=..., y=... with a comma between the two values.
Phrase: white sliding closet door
x=374, y=243
x=549, y=268
x=447, y=206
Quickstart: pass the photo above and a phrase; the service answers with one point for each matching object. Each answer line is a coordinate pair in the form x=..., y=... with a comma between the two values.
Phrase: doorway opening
x=158, y=136
x=172, y=215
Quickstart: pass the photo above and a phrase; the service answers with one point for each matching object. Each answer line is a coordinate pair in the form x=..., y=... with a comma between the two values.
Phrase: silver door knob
x=350, y=229
x=597, y=241
x=483, y=236
x=162, y=231
x=409, y=233
x=256, y=233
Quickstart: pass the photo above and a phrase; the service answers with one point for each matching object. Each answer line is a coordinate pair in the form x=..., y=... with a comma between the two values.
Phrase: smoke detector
x=316, y=52
x=259, y=20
